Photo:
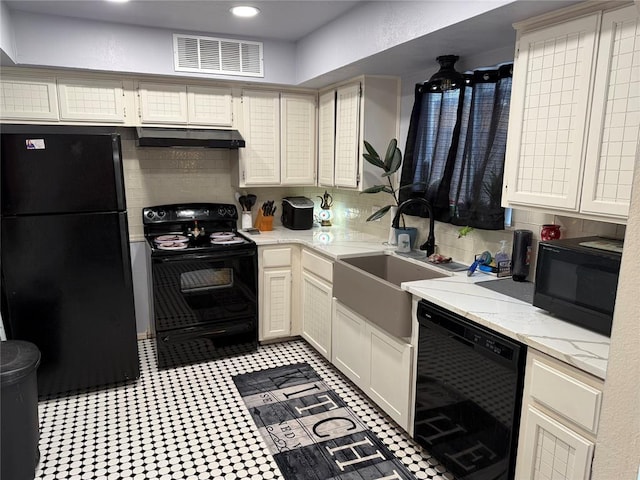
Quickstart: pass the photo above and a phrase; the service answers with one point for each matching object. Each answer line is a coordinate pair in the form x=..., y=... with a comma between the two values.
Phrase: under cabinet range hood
x=188, y=137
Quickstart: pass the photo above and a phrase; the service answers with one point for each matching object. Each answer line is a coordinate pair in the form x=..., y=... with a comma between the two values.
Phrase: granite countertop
x=582, y=348
x=459, y=293
x=332, y=241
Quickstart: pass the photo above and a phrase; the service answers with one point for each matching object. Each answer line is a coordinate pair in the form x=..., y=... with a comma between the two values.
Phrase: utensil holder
x=246, y=220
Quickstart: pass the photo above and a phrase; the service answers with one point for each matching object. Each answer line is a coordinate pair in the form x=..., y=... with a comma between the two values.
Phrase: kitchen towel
x=309, y=429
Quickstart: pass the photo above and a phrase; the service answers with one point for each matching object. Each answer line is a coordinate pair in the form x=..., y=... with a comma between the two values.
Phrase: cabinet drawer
x=317, y=265
x=276, y=257
x=565, y=395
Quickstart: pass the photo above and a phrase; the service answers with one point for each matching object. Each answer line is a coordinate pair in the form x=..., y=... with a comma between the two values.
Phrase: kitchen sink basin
x=370, y=286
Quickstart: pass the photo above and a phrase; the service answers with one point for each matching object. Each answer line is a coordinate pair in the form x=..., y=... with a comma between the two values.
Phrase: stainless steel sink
x=370, y=286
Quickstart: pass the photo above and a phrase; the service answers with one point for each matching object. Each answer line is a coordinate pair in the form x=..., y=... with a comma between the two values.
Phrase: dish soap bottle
x=502, y=258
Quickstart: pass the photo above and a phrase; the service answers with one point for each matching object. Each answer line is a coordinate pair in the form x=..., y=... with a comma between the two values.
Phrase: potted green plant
x=390, y=165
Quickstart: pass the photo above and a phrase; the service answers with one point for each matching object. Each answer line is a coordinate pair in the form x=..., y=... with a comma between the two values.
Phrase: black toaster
x=297, y=213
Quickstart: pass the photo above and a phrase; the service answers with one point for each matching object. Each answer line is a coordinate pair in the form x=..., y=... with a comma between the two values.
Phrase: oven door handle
x=206, y=256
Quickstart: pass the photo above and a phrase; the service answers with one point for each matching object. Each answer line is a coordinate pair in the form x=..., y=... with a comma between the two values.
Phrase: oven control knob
x=221, y=211
x=150, y=214
x=231, y=211
x=161, y=213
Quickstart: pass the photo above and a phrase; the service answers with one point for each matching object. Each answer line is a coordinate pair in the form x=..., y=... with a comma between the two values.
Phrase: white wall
x=62, y=42
x=6, y=35
x=617, y=453
x=377, y=26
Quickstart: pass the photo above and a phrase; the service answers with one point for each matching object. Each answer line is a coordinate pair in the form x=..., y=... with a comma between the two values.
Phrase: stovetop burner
x=193, y=226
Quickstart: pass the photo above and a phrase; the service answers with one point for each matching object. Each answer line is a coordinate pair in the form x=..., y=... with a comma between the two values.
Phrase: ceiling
x=291, y=21
x=278, y=20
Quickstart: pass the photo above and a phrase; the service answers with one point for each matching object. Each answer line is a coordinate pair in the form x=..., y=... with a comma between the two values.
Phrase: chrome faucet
x=430, y=244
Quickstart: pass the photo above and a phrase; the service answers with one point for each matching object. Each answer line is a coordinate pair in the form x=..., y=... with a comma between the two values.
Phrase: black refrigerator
x=66, y=270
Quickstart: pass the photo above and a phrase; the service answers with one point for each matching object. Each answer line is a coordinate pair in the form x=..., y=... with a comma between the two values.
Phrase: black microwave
x=577, y=279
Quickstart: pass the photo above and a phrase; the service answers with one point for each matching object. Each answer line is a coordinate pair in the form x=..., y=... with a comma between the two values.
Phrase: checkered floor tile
x=190, y=423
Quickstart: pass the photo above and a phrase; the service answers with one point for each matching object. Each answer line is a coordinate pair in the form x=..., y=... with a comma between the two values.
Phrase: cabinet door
x=349, y=345
x=316, y=313
x=548, y=449
x=298, y=139
x=91, y=100
x=548, y=114
x=260, y=159
x=209, y=106
x=276, y=303
x=614, y=130
x=390, y=374
x=347, y=147
x=162, y=103
x=326, y=138
x=28, y=99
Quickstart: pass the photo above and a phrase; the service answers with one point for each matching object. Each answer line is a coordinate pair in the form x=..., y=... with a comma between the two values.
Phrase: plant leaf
x=391, y=153
x=379, y=214
x=377, y=188
x=373, y=160
x=370, y=149
x=396, y=161
x=393, y=167
x=464, y=231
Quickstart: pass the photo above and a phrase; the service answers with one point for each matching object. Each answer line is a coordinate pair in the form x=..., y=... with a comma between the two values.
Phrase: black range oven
x=204, y=276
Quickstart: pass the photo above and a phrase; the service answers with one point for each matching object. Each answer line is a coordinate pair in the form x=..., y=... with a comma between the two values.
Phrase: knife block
x=262, y=223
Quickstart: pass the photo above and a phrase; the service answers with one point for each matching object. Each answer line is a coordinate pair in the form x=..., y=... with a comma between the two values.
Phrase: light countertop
x=332, y=241
x=582, y=348
x=586, y=350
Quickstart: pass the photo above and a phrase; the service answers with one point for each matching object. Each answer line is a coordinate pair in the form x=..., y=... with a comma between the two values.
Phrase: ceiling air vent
x=223, y=56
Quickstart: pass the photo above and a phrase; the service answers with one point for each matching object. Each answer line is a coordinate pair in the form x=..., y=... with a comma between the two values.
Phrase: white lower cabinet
x=389, y=365
x=275, y=278
x=349, y=348
x=550, y=450
x=560, y=413
x=375, y=361
x=317, y=292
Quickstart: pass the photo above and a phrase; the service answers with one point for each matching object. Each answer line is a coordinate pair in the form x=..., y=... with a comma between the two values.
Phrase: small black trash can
x=19, y=452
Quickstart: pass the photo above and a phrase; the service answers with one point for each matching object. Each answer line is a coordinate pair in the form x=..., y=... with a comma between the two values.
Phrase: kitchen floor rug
x=309, y=429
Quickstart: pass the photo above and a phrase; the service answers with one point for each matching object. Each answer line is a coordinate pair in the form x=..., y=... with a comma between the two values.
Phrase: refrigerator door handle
x=118, y=172
x=126, y=251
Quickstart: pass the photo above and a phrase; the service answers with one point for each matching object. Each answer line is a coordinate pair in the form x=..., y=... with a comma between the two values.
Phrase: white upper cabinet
x=548, y=116
x=614, y=131
x=347, y=145
x=210, y=105
x=366, y=108
x=280, y=133
x=163, y=103
x=326, y=137
x=24, y=98
x=185, y=104
x=298, y=138
x=91, y=100
x=575, y=115
x=260, y=159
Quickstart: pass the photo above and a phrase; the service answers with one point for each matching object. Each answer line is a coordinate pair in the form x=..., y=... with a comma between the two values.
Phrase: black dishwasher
x=468, y=395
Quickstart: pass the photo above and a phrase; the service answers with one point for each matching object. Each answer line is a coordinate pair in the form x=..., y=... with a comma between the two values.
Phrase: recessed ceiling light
x=244, y=11
x=118, y=1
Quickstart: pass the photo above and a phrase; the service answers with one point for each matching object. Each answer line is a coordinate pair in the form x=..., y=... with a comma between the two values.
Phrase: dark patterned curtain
x=455, y=148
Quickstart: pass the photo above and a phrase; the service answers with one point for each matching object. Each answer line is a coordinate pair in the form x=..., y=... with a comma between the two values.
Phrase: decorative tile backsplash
x=156, y=176
x=351, y=209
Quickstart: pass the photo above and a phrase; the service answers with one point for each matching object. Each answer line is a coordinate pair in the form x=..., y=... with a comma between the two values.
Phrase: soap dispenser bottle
x=502, y=255
x=501, y=259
